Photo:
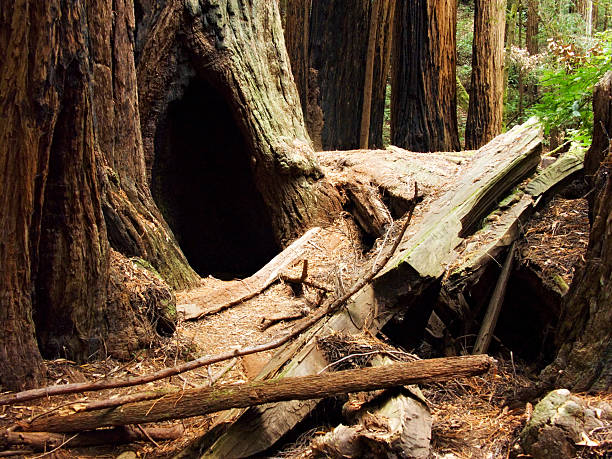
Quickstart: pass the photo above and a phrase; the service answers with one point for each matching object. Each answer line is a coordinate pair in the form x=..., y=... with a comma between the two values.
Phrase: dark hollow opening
x=204, y=187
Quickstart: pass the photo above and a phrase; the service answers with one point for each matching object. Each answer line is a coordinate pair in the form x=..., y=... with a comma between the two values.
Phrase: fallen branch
x=308, y=283
x=44, y=441
x=197, y=402
x=73, y=388
x=267, y=322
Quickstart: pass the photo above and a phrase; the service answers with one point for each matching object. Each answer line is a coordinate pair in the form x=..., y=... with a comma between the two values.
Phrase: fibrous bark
x=487, y=85
x=424, y=103
x=70, y=118
x=338, y=43
x=76, y=171
x=584, y=361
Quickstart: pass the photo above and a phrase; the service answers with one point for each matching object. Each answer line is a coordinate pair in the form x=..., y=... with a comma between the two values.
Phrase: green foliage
x=567, y=89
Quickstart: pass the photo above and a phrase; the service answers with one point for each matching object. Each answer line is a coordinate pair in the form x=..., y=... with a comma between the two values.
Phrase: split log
x=501, y=227
x=196, y=402
x=419, y=264
x=243, y=290
x=45, y=441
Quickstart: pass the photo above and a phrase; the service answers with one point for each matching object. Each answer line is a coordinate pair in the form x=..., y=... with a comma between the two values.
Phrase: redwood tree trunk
x=533, y=20
x=296, y=25
x=584, y=361
x=73, y=174
x=424, y=102
x=485, y=114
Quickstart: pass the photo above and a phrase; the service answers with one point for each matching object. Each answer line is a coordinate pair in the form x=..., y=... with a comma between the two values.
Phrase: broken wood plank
x=196, y=402
x=565, y=166
x=497, y=300
x=236, y=292
x=420, y=262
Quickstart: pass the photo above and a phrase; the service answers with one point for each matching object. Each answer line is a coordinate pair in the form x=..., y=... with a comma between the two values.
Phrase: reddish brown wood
x=195, y=402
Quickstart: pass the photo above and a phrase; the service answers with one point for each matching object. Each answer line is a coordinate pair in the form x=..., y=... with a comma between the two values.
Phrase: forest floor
x=472, y=417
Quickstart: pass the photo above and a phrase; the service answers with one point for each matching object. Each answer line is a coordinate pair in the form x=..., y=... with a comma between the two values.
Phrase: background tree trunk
x=584, y=361
x=366, y=110
x=424, y=102
x=485, y=114
x=296, y=25
x=339, y=37
x=532, y=27
x=382, y=66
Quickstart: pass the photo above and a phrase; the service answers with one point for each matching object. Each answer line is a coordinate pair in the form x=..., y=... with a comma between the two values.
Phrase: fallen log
x=45, y=441
x=420, y=262
x=196, y=402
x=502, y=226
x=235, y=292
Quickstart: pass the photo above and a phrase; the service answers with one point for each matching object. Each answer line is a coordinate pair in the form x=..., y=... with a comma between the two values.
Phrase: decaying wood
x=392, y=171
x=44, y=441
x=490, y=320
x=195, y=402
x=502, y=226
x=393, y=423
x=564, y=167
x=420, y=262
x=368, y=209
x=243, y=290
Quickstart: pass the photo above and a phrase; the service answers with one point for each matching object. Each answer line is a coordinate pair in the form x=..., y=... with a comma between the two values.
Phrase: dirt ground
x=471, y=419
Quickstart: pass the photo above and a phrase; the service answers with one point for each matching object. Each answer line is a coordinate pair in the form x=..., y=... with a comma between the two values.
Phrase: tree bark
x=382, y=66
x=533, y=19
x=584, y=361
x=196, y=402
x=424, y=102
x=338, y=44
x=244, y=64
x=366, y=110
x=485, y=114
x=80, y=135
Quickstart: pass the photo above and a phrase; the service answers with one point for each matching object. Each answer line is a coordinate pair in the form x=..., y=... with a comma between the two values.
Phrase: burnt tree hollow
x=203, y=183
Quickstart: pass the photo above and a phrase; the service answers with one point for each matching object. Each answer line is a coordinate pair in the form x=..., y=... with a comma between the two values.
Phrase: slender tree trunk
x=382, y=67
x=485, y=115
x=532, y=27
x=366, y=110
x=424, y=105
